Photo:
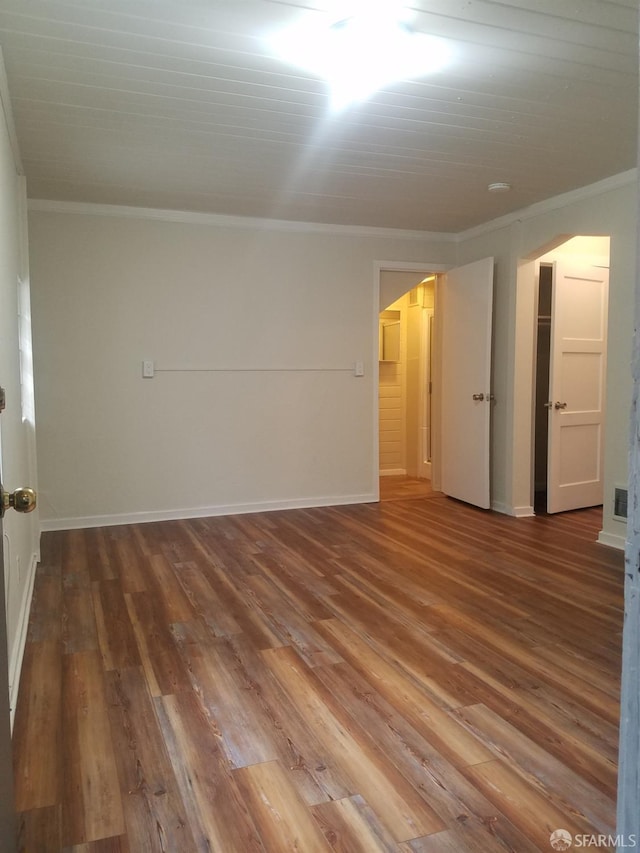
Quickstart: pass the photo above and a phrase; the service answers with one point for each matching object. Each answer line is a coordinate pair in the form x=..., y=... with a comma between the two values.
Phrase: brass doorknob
x=22, y=500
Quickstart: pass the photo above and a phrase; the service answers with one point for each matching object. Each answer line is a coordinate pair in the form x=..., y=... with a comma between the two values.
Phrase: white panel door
x=577, y=386
x=465, y=304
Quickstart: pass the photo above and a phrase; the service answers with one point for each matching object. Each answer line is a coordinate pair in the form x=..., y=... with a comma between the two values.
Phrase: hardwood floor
x=400, y=487
x=414, y=676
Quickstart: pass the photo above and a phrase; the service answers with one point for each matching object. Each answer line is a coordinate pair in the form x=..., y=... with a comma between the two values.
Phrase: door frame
x=427, y=354
x=421, y=268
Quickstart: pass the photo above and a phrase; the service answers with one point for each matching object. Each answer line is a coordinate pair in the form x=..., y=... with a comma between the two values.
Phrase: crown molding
x=225, y=221
x=614, y=182
x=5, y=104
x=259, y=224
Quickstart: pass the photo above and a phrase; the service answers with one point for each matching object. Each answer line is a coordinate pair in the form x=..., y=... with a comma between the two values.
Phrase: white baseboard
x=393, y=472
x=48, y=524
x=613, y=540
x=522, y=511
x=513, y=511
x=17, y=654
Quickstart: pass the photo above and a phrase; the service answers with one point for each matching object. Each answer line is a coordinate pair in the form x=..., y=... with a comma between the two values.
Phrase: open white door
x=577, y=386
x=465, y=305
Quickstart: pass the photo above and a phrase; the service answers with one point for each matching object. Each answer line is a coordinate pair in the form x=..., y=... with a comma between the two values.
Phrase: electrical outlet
x=147, y=369
x=358, y=369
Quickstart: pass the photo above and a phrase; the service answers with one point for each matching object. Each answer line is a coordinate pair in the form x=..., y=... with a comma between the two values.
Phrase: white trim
x=17, y=654
x=523, y=512
x=200, y=512
x=410, y=266
x=549, y=204
x=257, y=223
x=5, y=105
x=613, y=540
x=513, y=511
x=375, y=390
x=393, y=472
x=226, y=221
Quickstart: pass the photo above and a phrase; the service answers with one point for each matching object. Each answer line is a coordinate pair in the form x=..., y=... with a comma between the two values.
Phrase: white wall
x=21, y=533
x=111, y=290
x=608, y=209
x=395, y=283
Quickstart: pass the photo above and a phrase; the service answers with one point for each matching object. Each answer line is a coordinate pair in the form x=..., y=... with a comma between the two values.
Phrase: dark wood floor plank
x=155, y=817
x=45, y=618
x=131, y=562
x=37, y=745
x=530, y=811
x=91, y=802
x=419, y=653
x=74, y=554
x=101, y=562
x=400, y=807
x=558, y=733
x=282, y=819
x=397, y=488
x=447, y=791
x=416, y=675
x=527, y=659
x=313, y=770
x=169, y=538
x=165, y=669
x=293, y=591
x=350, y=826
x=206, y=602
x=217, y=814
x=78, y=618
x=234, y=602
x=40, y=830
x=565, y=714
x=115, y=844
x=569, y=661
x=51, y=550
x=175, y=603
x=231, y=702
x=538, y=767
x=292, y=628
x=437, y=726
x=491, y=837
x=116, y=638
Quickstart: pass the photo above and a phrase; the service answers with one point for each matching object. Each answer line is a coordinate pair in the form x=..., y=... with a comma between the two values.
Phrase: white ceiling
x=179, y=105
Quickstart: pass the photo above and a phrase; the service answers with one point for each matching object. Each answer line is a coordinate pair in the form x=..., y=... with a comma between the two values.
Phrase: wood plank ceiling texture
x=181, y=106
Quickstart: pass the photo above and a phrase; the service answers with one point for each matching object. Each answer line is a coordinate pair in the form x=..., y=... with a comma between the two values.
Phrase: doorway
x=405, y=365
x=570, y=370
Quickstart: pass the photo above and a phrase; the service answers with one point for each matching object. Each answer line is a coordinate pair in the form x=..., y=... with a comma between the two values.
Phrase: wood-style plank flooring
x=399, y=487
x=415, y=676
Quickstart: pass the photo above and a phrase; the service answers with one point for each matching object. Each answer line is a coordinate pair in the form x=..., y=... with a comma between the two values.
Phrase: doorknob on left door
x=477, y=397
x=22, y=500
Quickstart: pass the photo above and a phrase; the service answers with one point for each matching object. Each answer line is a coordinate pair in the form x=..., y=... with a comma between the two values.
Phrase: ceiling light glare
x=359, y=49
x=499, y=187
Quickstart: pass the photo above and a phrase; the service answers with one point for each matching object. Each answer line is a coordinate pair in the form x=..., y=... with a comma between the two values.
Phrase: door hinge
x=3, y=400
